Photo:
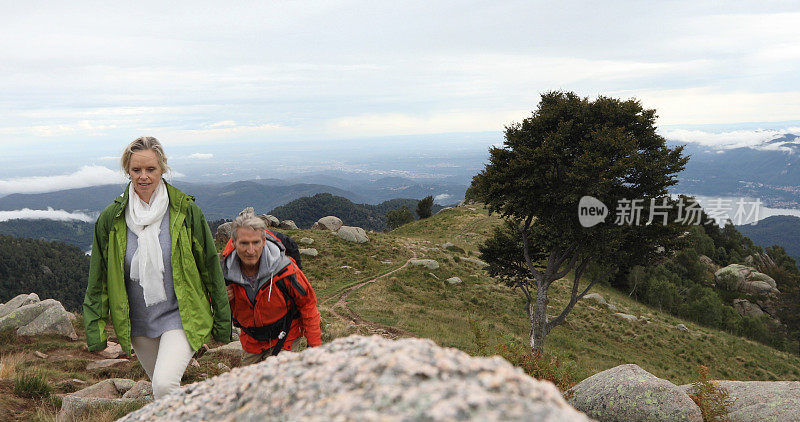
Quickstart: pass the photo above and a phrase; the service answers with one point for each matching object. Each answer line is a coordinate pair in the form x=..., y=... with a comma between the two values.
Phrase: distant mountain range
x=225, y=200
x=783, y=230
x=769, y=171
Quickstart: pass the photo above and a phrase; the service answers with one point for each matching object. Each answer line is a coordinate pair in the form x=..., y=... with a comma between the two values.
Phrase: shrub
x=714, y=401
x=539, y=365
x=32, y=385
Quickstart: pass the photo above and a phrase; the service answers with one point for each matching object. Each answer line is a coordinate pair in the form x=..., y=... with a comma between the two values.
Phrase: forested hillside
x=53, y=270
x=306, y=211
x=781, y=230
x=77, y=233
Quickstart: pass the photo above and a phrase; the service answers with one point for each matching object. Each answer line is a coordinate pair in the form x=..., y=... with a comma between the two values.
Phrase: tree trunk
x=539, y=320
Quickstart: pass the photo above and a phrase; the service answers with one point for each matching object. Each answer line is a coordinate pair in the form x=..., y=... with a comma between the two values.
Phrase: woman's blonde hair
x=141, y=144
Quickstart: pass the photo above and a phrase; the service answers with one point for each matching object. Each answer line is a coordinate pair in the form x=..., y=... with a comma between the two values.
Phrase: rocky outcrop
x=330, y=222
x=352, y=234
x=761, y=400
x=368, y=378
x=745, y=279
x=430, y=264
x=745, y=308
x=110, y=392
x=288, y=225
x=761, y=261
x=17, y=302
x=270, y=220
x=38, y=318
x=306, y=241
x=629, y=393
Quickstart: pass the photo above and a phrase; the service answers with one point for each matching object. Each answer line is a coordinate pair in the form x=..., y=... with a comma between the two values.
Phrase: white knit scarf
x=147, y=265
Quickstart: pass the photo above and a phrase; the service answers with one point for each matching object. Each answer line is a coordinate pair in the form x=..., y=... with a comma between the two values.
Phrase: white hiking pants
x=164, y=359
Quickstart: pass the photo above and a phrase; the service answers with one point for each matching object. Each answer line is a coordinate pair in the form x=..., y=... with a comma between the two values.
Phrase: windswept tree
x=425, y=207
x=569, y=148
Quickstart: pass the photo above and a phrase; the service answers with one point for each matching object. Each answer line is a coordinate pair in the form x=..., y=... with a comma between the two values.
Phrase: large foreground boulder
x=761, y=400
x=37, y=318
x=368, y=378
x=631, y=394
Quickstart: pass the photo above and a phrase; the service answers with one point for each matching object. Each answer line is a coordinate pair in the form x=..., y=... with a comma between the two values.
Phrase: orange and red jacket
x=270, y=305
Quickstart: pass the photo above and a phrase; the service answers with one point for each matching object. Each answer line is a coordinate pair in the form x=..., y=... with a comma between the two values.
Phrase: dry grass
x=9, y=364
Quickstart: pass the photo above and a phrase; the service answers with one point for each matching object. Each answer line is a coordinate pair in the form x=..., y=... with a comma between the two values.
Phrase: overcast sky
x=81, y=79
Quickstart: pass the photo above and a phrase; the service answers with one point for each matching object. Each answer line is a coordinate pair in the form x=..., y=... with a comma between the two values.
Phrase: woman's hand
x=229, y=288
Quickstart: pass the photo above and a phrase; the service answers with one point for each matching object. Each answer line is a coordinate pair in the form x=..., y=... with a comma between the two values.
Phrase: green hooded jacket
x=197, y=276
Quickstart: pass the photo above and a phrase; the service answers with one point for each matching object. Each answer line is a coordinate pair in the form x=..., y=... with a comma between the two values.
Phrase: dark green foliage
x=78, y=233
x=781, y=230
x=424, y=207
x=50, y=269
x=306, y=211
x=398, y=217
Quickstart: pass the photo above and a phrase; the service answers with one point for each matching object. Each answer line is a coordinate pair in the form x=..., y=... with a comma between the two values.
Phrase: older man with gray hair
x=271, y=299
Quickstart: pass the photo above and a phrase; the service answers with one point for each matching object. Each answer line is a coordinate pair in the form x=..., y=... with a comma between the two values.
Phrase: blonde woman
x=154, y=268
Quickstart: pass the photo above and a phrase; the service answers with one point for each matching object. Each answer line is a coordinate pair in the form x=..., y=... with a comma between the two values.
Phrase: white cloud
x=201, y=156
x=48, y=214
x=406, y=124
x=731, y=139
x=85, y=177
x=442, y=197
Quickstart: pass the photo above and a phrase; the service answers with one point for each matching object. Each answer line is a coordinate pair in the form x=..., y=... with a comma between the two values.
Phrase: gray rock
x=629, y=393
x=682, y=327
x=308, y=252
x=626, y=317
x=17, y=302
x=443, y=209
x=427, y=263
x=112, y=351
x=368, y=378
x=306, y=241
x=106, y=389
x=288, y=225
x=233, y=348
x=597, y=298
x=270, y=220
x=352, y=234
x=223, y=367
x=761, y=400
x=224, y=232
x=54, y=320
x=746, y=280
x=330, y=222
x=612, y=308
x=24, y=315
x=454, y=280
x=105, y=363
x=387, y=262
x=745, y=308
x=235, y=334
x=141, y=390
x=248, y=210
x=475, y=261
x=73, y=407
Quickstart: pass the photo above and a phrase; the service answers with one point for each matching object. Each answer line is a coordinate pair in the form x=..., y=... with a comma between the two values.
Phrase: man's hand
x=229, y=288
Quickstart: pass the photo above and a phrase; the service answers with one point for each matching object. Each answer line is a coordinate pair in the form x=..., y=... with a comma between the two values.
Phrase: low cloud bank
x=48, y=214
x=85, y=177
x=731, y=139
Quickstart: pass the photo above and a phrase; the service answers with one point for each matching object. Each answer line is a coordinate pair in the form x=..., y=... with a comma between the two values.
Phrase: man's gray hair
x=249, y=221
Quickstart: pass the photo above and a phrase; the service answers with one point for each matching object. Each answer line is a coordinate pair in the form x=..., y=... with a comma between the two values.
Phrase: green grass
x=32, y=385
x=592, y=340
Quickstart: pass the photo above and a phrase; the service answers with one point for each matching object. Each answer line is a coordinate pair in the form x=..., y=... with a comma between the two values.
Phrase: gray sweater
x=158, y=318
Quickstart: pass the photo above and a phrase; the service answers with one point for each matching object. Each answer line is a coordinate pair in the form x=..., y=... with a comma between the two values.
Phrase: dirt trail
x=342, y=311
